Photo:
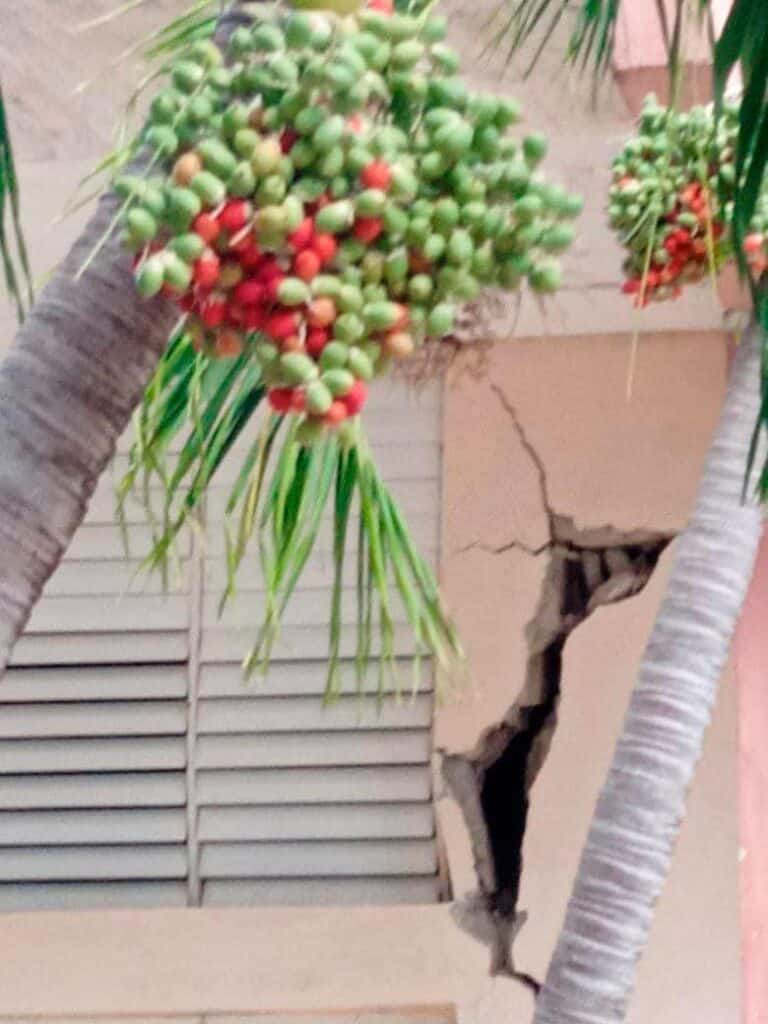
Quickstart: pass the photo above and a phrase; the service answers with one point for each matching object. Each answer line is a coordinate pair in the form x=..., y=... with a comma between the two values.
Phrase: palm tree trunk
x=629, y=847
x=76, y=371
x=68, y=385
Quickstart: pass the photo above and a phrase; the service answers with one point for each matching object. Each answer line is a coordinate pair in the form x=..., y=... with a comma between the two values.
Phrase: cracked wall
x=586, y=569
x=539, y=586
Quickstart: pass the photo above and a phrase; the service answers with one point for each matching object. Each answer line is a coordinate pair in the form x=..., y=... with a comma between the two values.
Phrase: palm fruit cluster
x=671, y=198
x=756, y=242
x=329, y=191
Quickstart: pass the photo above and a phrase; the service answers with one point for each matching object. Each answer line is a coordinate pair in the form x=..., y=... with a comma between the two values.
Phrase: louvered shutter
x=93, y=732
x=299, y=803
x=137, y=768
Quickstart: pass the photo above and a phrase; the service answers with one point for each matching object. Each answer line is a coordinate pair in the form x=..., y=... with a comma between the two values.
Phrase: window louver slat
x=291, y=802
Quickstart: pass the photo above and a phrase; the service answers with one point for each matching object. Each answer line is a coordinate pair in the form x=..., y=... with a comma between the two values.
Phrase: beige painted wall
x=632, y=464
x=607, y=460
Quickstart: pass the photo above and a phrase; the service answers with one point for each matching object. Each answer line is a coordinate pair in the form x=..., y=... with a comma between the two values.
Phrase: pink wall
x=752, y=677
x=639, y=41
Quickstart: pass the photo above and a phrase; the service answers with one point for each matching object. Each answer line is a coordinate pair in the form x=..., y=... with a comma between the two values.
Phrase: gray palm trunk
x=68, y=385
x=630, y=843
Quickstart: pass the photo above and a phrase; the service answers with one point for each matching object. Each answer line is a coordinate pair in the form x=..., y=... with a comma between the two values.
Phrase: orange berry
x=229, y=343
x=336, y=414
x=754, y=243
x=322, y=312
x=398, y=344
x=292, y=343
x=307, y=264
x=325, y=247
x=403, y=318
x=186, y=167
x=207, y=226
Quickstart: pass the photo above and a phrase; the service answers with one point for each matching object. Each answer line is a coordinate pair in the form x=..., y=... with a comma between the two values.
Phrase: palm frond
x=13, y=251
x=532, y=22
x=744, y=44
x=592, y=38
x=192, y=415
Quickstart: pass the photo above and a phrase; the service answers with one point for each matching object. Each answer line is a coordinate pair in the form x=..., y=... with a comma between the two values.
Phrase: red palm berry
x=250, y=292
x=235, y=215
x=302, y=236
x=272, y=285
x=307, y=264
x=376, y=174
x=280, y=399
x=754, y=243
x=206, y=269
x=253, y=318
x=269, y=268
x=317, y=339
x=355, y=398
x=207, y=226
x=240, y=242
x=281, y=324
x=325, y=246
x=671, y=245
x=251, y=256
x=367, y=229
x=213, y=310
x=298, y=401
x=235, y=313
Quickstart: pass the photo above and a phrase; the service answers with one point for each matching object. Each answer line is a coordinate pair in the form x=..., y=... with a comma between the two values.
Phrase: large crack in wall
x=586, y=569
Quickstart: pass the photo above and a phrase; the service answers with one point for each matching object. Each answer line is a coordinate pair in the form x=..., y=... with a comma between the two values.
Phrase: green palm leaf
x=13, y=252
